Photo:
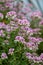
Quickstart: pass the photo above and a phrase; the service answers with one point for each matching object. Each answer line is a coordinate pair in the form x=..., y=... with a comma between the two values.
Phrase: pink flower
x=36, y=30
x=1, y=16
x=35, y=40
x=33, y=58
x=2, y=25
x=8, y=28
x=41, y=56
x=23, y=22
x=4, y=56
x=32, y=46
x=2, y=33
x=11, y=51
x=41, y=23
x=28, y=55
x=36, y=14
x=11, y=15
x=37, y=59
x=26, y=28
x=26, y=10
x=9, y=5
x=20, y=39
x=30, y=31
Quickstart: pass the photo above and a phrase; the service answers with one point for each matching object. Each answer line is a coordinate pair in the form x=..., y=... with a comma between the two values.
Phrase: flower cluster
x=8, y=5
x=21, y=40
x=36, y=14
x=11, y=15
x=34, y=58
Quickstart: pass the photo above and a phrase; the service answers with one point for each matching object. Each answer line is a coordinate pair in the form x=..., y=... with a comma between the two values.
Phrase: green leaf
x=40, y=48
x=0, y=61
